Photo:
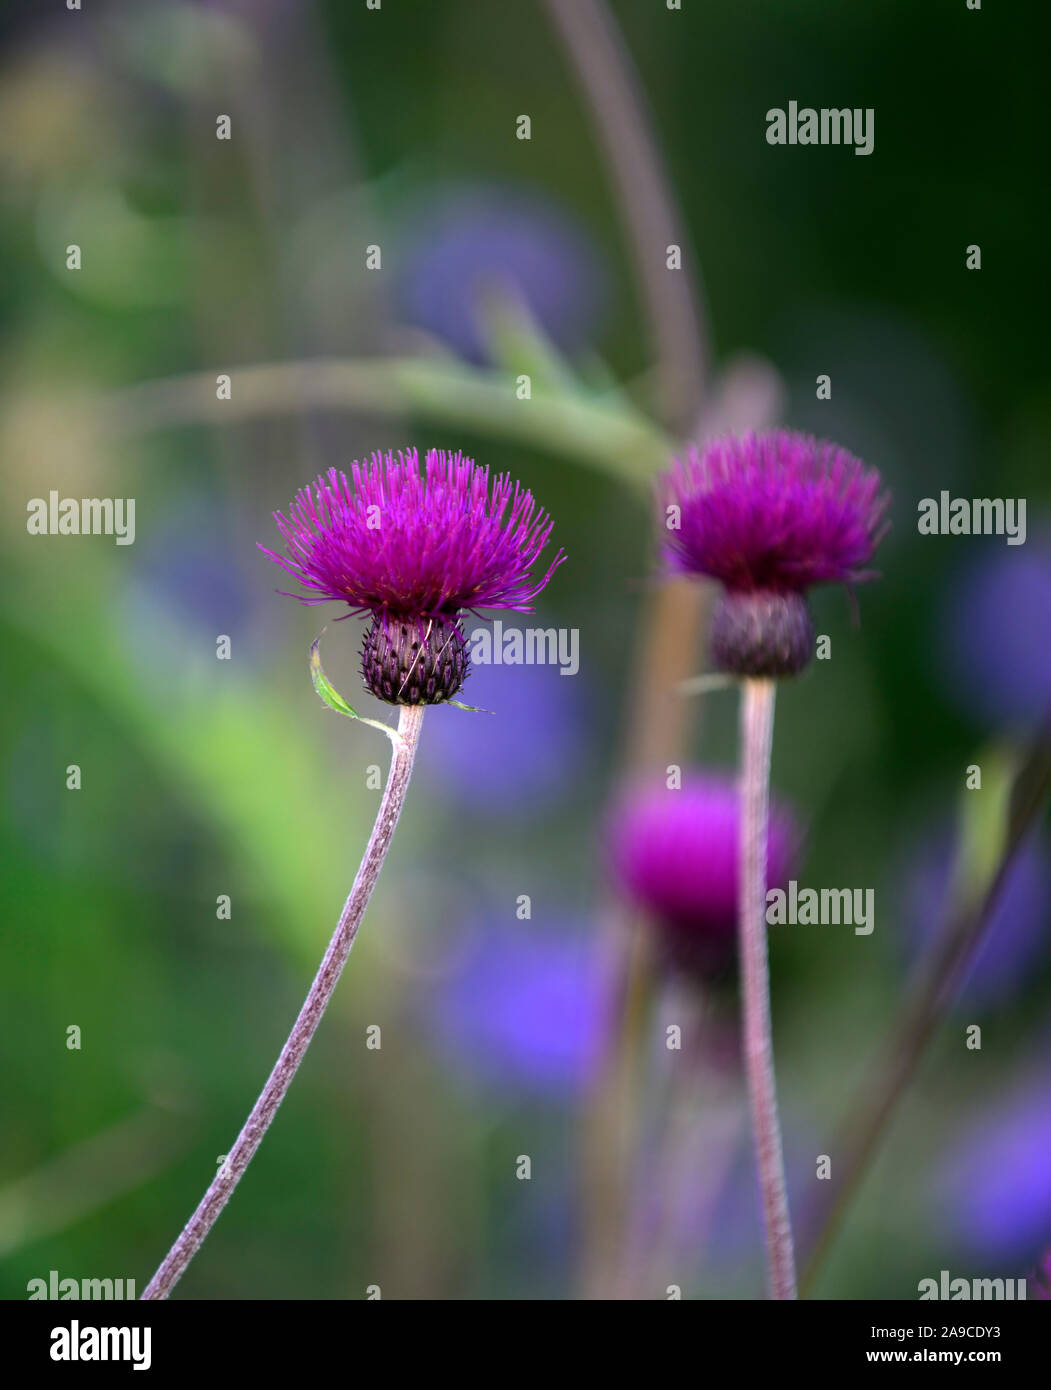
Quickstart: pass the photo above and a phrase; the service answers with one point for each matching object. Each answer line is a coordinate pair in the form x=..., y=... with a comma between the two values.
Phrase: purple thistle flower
x=416, y=546
x=778, y=512
x=414, y=550
x=675, y=854
x=769, y=516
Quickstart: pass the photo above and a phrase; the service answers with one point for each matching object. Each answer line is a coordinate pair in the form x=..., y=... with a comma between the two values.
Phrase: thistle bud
x=411, y=661
x=762, y=634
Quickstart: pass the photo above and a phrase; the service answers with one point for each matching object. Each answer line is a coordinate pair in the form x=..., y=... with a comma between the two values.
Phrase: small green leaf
x=983, y=825
x=517, y=342
x=323, y=686
x=335, y=700
x=474, y=709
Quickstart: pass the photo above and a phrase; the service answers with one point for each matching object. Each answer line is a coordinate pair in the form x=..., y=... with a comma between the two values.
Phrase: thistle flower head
x=414, y=548
x=674, y=853
x=775, y=512
x=401, y=542
x=769, y=516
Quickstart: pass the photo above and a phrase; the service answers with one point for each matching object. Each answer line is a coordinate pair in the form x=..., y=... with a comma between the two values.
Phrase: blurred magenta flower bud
x=769, y=516
x=674, y=853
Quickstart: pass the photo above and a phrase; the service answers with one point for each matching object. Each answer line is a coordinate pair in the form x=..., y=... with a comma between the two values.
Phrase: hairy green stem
x=757, y=729
x=273, y=1093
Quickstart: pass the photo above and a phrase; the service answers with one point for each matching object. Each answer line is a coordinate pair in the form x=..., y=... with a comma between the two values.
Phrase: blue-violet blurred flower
x=534, y=754
x=996, y=1186
x=477, y=241
x=1019, y=929
x=522, y=1007
x=994, y=636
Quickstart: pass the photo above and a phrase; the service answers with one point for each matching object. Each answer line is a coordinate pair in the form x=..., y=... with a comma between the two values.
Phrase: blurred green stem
x=924, y=1008
x=695, y=1137
x=609, y=1138
x=201, y=1222
x=615, y=101
x=604, y=433
x=91, y=1174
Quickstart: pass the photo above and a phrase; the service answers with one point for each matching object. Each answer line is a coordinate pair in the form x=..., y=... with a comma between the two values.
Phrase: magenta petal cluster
x=398, y=541
x=673, y=852
x=1040, y=1278
x=774, y=512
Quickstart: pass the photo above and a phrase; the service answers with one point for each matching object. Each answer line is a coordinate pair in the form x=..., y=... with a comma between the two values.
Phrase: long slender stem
x=757, y=728
x=273, y=1093
x=611, y=1113
x=696, y=1133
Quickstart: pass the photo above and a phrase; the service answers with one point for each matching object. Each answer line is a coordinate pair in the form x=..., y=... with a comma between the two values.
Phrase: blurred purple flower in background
x=674, y=853
x=472, y=240
x=187, y=570
x=202, y=587
x=519, y=1009
x=1039, y=1279
x=994, y=636
x=1019, y=929
x=994, y=1190
x=778, y=511
x=529, y=750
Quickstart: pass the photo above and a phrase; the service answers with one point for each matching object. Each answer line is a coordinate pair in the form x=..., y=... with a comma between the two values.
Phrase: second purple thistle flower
x=414, y=549
x=769, y=516
x=674, y=852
